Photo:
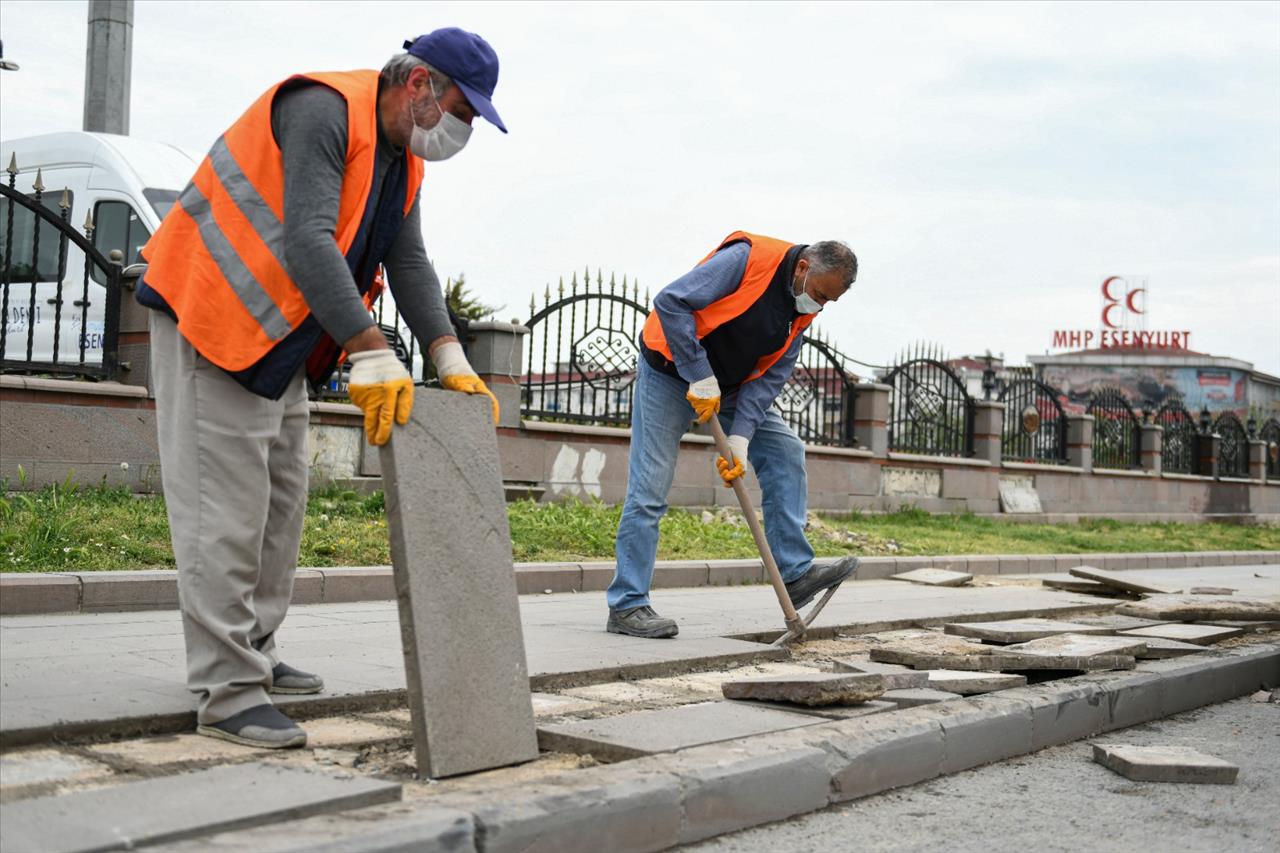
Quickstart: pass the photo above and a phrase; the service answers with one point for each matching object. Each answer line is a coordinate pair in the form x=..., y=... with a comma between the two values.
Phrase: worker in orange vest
x=721, y=341
x=260, y=278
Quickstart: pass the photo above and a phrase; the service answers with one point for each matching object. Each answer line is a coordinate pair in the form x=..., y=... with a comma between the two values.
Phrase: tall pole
x=108, y=66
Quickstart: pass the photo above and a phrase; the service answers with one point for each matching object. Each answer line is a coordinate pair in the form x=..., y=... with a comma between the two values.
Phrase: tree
x=464, y=303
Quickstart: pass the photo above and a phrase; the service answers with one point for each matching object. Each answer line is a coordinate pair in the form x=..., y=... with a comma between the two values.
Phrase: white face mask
x=446, y=137
x=806, y=304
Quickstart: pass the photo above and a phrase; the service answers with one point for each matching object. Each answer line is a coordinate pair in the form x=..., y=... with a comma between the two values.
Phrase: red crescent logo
x=1129, y=300
x=1105, y=311
x=1106, y=287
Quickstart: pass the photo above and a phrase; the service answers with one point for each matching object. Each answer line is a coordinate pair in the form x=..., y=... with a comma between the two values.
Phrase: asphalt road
x=1059, y=800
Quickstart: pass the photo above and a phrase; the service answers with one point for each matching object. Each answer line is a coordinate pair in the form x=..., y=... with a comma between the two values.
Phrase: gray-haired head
x=832, y=256
x=398, y=68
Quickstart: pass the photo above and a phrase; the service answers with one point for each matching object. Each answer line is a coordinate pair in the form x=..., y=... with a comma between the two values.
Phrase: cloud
x=990, y=163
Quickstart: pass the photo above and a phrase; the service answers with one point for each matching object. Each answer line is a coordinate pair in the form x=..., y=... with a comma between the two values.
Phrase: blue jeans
x=660, y=415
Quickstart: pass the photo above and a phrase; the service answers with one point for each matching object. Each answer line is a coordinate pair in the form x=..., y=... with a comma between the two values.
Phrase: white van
x=126, y=184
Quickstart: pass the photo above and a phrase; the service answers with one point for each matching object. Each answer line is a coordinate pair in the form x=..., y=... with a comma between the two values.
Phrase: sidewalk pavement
x=76, y=674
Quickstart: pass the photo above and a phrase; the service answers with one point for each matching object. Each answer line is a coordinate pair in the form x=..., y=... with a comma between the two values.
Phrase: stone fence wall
x=105, y=433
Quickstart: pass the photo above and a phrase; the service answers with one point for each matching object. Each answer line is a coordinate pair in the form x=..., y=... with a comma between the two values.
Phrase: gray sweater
x=310, y=125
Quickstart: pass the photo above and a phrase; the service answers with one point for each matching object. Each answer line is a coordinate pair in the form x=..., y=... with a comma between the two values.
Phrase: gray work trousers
x=234, y=468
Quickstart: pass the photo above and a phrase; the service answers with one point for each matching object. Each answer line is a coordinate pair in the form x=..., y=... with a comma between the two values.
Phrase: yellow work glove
x=456, y=374
x=738, y=448
x=704, y=396
x=381, y=386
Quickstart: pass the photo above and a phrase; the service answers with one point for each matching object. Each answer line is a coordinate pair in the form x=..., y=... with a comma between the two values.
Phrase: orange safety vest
x=763, y=265
x=218, y=257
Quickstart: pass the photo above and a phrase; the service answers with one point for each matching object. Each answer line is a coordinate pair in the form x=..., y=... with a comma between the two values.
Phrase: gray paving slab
x=1070, y=584
x=895, y=676
x=191, y=805
x=69, y=674
x=1200, y=635
x=1020, y=630
x=1159, y=649
x=934, y=577
x=1203, y=607
x=973, y=683
x=666, y=730
x=1077, y=645
x=829, y=712
x=911, y=697
x=1120, y=580
x=465, y=664
x=819, y=688
x=1165, y=764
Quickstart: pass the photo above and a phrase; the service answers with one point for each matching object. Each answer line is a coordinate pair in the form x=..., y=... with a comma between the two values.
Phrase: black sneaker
x=286, y=679
x=641, y=622
x=261, y=726
x=819, y=579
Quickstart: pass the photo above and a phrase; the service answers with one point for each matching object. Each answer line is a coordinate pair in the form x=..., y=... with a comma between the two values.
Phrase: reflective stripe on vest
x=766, y=256
x=218, y=259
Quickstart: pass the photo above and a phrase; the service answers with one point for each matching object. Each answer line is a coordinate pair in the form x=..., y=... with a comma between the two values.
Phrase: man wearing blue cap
x=260, y=277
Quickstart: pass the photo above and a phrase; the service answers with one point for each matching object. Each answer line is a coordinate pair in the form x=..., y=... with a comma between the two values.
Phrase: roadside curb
x=661, y=801
x=30, y=593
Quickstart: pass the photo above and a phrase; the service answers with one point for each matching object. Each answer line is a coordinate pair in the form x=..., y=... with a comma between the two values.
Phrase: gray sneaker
x=286, y=679
x=261, y=726
x=819, y=579
x=641, y=622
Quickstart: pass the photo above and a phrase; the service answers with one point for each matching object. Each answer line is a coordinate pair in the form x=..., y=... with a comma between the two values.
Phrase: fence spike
x=547, y=295
x=613, y=284
x=38, y=186
x=88, y=222
x=65, y=201
x=533, y=304
x=13, y=164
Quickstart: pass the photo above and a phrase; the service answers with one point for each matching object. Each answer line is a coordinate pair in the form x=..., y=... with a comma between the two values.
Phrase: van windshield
x=161, y=200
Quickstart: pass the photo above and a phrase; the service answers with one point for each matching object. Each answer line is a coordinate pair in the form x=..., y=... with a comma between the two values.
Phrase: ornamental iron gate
x=929, y=410
x=39, y=331
x=582, y=352
x=1233, y=446
x=1116, y=442
x=1178, y=452
x=817, y=400
x=1035, y=424
x=1270, y=434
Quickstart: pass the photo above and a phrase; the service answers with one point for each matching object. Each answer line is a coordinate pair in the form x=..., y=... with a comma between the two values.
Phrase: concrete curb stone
x=152, y=589
x=21, y=594
x=659, y=801
x=149, y=589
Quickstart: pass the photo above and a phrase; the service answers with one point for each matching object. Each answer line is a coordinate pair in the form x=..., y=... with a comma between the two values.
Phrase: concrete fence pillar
x=1207, y=454
x=1151, y=447
x=1080, y=441
x=988, y=430
x=496, y=352
x=871, y=417
x=134, y=344
x=1257, y=459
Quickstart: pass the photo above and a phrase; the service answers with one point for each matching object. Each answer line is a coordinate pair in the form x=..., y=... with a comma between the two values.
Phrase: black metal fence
x=60, y=307
x=1035, y=424
x=1116, y=430
x=1270, y=435
x=581, y=352
x=1233, y=446
x=929, y=410
x=583, y=347
x=1178, y=452
x=817, y=400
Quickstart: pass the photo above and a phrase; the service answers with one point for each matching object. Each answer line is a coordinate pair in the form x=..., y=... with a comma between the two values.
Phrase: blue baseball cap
x=468, y=60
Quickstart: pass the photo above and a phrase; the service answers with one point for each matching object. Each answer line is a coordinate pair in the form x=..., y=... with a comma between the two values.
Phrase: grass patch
x=71, y=528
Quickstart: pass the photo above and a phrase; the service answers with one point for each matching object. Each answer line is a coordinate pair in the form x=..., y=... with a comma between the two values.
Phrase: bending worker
x=259, y=277
x=730, y=328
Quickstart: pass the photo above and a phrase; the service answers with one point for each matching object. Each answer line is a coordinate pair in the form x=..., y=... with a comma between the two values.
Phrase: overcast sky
x=989, y=163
